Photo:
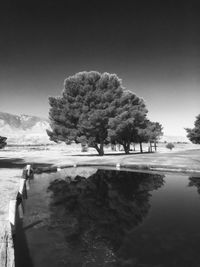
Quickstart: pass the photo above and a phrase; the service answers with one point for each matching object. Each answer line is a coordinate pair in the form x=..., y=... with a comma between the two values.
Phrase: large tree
x=194, y=133
x=130, y=115
x=88, y=100
x=3, y=142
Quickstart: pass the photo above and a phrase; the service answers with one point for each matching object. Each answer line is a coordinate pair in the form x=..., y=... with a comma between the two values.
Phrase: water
x=89, y=218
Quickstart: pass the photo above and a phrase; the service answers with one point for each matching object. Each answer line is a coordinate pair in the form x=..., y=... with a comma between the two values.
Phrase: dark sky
x=154, y=46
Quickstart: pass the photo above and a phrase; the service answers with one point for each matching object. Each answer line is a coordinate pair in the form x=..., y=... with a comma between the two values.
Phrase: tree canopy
x=94, y=108
x=129, y=117
x=194, y=133
x=88, y=100
x=154, y=132
x=2, y=142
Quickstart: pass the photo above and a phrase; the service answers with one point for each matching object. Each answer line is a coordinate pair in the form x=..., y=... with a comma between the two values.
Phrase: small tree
x=170, y=146
x=142, y=134
x=194, y=134
x=129, y=115
x=2, y=142
x=154, y=132
x=148, y=132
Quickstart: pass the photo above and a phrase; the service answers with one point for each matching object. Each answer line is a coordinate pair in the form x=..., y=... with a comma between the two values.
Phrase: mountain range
x=24, y=129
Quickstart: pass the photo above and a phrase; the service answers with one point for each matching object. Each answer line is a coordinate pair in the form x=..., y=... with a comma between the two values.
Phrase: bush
x=170, y=146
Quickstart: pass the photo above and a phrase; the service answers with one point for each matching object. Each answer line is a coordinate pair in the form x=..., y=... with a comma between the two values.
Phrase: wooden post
x=21, y=210
x=28, y=167
x=12, y=211
x=21, y=196
x=22, y=185
x=7, y=227
x=28, y=184
x=118, y=166
x=27, y=172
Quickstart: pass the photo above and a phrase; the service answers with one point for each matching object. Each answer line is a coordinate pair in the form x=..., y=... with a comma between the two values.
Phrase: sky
x=153, y=46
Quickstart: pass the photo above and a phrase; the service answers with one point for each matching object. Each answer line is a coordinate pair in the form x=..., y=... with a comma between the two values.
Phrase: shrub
x=170, y=146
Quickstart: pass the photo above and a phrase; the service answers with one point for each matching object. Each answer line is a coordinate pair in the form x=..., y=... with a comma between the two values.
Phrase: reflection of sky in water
x=113, y=219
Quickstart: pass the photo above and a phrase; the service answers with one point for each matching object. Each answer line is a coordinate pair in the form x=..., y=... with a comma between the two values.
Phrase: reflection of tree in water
x=195, y=181
x=98, y=212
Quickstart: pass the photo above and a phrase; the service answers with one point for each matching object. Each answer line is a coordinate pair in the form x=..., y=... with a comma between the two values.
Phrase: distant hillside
x=174, y=139
x=23, y=129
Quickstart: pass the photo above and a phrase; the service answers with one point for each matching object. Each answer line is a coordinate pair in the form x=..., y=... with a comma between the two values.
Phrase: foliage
x=170, y=146
x=154, y=132
x=194, y=181
x=194, y=134
x=83, y=111
x=94, y=110
x=134, y=127
x=2, y=142
x=129, y=116
x=143, y=133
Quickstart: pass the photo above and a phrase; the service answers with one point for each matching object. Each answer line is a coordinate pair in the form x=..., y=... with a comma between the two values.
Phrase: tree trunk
x=133, y=146
x=113, y=147
x=155, y=146
x=100, y=149
x=141, y=150
x=127, y=148
x=150, y=147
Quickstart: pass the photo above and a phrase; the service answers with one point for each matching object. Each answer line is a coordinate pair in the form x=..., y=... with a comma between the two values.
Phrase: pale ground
x=63, y=154
x=9, y=186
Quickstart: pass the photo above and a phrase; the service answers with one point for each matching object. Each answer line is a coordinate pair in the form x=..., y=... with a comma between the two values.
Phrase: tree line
x=96, y=109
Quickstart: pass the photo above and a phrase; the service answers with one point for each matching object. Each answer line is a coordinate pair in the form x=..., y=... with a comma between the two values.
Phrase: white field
x=9, y=186
x=55, y=154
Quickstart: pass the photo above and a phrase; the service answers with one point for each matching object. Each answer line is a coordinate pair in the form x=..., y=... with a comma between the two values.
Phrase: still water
x=87, y=217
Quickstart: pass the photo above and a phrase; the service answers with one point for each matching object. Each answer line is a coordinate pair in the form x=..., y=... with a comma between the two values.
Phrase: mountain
x=174, y=139
x=24, y=129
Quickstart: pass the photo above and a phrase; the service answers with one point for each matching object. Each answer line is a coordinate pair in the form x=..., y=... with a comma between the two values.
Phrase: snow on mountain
x=24, y=129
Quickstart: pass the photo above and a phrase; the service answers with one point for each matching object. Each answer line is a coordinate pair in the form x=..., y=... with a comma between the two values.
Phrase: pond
x=87, y=217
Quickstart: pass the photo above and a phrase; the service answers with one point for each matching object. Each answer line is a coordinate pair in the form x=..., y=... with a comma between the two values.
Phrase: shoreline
x=124, y=167
x=186, y=161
